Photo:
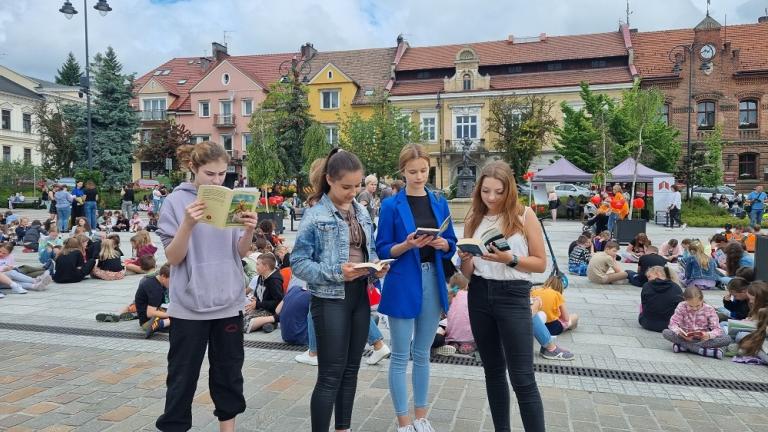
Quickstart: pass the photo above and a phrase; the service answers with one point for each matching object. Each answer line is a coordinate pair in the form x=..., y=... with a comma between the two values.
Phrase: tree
x=57, y=125
x=162, y=144
x=710, y=173
x=114, y=121
x=315, y=146
x=577, y=138
x=70, y=72
x=377, y=140
x=290, y=120
x=640, y=108
x=521, y=126
x=264, y=164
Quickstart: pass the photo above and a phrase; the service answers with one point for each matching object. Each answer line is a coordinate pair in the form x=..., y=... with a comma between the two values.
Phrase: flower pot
x=625, y=230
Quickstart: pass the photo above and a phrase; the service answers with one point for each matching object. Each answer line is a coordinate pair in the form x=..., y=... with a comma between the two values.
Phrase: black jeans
x=674, y=215
x=188, y=340
x=341, y=328
x=500, y=316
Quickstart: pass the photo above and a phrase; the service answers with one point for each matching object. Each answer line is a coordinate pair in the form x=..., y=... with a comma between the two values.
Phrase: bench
x=296, y=214
x=28, y=203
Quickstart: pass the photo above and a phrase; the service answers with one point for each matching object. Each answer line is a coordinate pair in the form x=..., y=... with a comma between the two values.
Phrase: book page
x=241, y=202
x=217, y=202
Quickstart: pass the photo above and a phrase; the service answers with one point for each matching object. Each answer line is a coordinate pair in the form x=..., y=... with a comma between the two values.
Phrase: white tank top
x=498, y=271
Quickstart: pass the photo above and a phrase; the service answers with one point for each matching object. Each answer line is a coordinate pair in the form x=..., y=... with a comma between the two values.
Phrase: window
x=554, y=66
x=150, y=170
x=598, y=64
x=665, y=114
x=466, y=126
x=6, y=120
x=154, y=109
x=247, y=141
x=467, y=82
x=28, y=155
x=204, y=109
x=199, y=138
x=705, y=115
x=146, y=135
x=247, y=107
x=514, y=69
x=6, y=153
x=26, y=120
x=226, y=141
x=332, y=133
x=330, y=74
x=330, y=99
x=748, y=114
x=748, y=166
x=429, y=127
x=423, y=75
x=225, y=79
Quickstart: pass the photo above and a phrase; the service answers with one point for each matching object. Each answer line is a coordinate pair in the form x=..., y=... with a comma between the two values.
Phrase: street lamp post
x=680, y=54
x=69, y=11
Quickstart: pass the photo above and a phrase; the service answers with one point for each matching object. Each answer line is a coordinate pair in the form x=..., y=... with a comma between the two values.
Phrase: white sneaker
x=2, y=295
x=306, y=358
x=422, y=425
x=17, y=289
x=378, y=355
x=685, y=225
x=408, y=428
x=446, y=350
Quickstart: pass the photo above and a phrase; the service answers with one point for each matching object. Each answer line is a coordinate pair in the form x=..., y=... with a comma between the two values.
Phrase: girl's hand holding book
x=412, y=241
x=496, y=255
x=250, y=220
x=351, y=273
x=194, y=212
x=383, y=272
x=439, y=243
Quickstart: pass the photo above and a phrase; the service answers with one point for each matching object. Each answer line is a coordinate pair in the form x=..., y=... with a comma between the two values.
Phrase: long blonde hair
x=140, y=239
x=108, y=250
x=697, y=250
x=509, y=221
x=70, y=245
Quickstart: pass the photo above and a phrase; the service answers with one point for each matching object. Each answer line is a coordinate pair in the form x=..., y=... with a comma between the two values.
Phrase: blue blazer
x=401, y=294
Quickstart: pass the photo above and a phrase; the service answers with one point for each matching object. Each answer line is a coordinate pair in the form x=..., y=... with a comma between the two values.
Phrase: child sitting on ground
x=142, y=246
x=152, y=223
x=136, y=224
x=46, y=244
x=578, y=260
x=549, y=350
x=694, y=327
x=263, y=309
x=603, y=267
x=658, y=299
x=108, y=266
x=11, y=277
x=553, y=305
x=637, y=247
x=599, y=242
x=71, y=265
x=671, y=250
x=735, y=300
x=699, y=269
x=150, y=300
x=456, y=336
x=755, y=342
x=651, y=258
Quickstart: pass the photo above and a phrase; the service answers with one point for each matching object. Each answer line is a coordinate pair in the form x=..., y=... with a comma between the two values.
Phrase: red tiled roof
x=502, y=52
x=565, y=78
x=264, y=69
x=181, y=68
x=652, y=48
x=368, y=68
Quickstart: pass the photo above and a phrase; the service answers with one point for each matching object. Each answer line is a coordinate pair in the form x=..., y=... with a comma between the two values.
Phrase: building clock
x=707, y=52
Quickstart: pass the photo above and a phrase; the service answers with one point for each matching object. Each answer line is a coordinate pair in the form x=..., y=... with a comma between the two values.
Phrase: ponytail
x=338, y=163
x=193, y=156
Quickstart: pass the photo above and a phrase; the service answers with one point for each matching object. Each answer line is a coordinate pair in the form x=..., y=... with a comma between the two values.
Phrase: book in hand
x=224, y=206
x=374, y=267
x=491, y=236
x=435, y=232
x=693, y=334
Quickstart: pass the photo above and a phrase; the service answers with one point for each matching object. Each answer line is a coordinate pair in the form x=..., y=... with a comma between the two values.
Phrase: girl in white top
x=499, y=295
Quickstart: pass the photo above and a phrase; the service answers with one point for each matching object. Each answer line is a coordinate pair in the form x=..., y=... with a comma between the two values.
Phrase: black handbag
x=449, y=269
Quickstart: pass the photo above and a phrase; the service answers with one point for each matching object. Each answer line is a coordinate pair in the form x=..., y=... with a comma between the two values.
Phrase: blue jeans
x=612, y=217
x=420, y=330
x=756, y=216
x=62, y=215
x=541, y=332
x=90, y=213
x=374, y=334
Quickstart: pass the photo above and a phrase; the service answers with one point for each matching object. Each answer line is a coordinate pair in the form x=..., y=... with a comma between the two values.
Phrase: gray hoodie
x=209, y=283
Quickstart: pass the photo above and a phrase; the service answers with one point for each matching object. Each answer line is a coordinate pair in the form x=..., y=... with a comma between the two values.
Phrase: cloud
x=36, y=38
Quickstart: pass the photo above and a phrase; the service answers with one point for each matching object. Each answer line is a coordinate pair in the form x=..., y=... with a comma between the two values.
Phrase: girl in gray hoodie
x=206, y=295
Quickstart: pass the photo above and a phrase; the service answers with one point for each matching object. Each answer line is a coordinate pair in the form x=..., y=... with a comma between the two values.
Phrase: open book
x=224, y=205
x=434, y=231
x=491, y=236
x=693, y=334
x=374, y=267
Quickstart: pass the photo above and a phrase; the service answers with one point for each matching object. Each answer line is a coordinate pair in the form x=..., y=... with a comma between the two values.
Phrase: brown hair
x=90, y=184
x=642, y=239
x=510, y=215
x=412, y=152
x=753, y=342
x=338, y=163
x=147, y=262
x=397, y=184
x=70, y=245
x=268, y=259
x=738, y=285
x=267, y=226
x=7, y=246
x=164, y=270
x=611, y=245
x=733, y=253
x=554, y=282
x=758, y=290
x=193, y=156
x=693, y=292
x=582, y=239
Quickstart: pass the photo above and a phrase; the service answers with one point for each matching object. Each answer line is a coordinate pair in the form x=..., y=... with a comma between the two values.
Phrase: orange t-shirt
x=551, y=301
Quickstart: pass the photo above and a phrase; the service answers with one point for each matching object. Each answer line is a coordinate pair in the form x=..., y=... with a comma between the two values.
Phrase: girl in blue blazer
x=414, y=292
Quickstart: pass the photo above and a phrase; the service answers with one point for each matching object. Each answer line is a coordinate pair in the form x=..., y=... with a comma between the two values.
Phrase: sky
x=35, y=37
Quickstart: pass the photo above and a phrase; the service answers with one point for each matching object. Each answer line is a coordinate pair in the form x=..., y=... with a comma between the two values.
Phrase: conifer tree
x=70, y=72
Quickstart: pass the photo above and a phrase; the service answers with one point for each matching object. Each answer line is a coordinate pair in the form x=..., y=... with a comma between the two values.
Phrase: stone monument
x=466, y=179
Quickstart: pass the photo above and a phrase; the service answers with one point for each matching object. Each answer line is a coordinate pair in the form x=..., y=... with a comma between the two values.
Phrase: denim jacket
x=693, y=269
x=322, y=246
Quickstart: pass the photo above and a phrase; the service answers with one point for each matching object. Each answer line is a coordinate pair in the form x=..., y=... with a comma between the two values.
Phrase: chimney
x=219, y=51
x=763, y=19
x=511, y=39
x=308, y=51
x=204, y=63
x=542, y=37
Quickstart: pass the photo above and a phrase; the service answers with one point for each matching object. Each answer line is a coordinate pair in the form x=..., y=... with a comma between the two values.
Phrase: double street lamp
x=679, y=55
x=85, y=83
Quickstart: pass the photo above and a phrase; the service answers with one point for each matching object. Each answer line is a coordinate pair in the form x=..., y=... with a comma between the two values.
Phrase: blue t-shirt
x=757, y=199
x=293, y=316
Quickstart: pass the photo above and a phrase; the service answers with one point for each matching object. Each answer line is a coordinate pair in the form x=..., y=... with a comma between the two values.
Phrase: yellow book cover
x=224, y=205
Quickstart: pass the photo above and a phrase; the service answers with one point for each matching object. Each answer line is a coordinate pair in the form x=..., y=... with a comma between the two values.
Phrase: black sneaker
x=155, y=325
x=268, y=328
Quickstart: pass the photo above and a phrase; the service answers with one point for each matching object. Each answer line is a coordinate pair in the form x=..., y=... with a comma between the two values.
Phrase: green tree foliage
x=70, y=72
x=57, y=125
x=710, y=172
x=162, y=144
x=264, y=162
x=114, y=121
x=377, y=140
x=521, y=127
x=315, y=146
x=290, y=119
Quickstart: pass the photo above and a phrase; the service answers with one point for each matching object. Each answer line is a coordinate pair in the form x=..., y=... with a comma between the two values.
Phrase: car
x=706, y=192
x=523, y=189
x=67, y=181
x=565, y=189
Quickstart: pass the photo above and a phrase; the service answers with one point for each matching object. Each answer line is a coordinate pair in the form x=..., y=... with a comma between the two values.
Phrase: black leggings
x=500, y=316
x=341, y=328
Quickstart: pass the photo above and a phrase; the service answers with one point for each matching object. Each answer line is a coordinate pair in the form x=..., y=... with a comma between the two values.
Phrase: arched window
x=705, y=118
x=748, y=166
x=748, y=114
x=467, y=82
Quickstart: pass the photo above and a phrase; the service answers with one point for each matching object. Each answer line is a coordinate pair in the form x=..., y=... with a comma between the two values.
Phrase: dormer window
x=467, y=82
x=225, y=79
x=330, y=74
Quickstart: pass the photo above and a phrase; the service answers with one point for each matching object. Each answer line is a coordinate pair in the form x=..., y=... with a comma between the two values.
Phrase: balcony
x=749, y=134
x=457, y=146
x=224, y=120
x=153, y=115
x=237, y=157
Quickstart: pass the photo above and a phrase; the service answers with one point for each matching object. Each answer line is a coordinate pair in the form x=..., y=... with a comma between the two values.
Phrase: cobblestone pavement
x=60, y=382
